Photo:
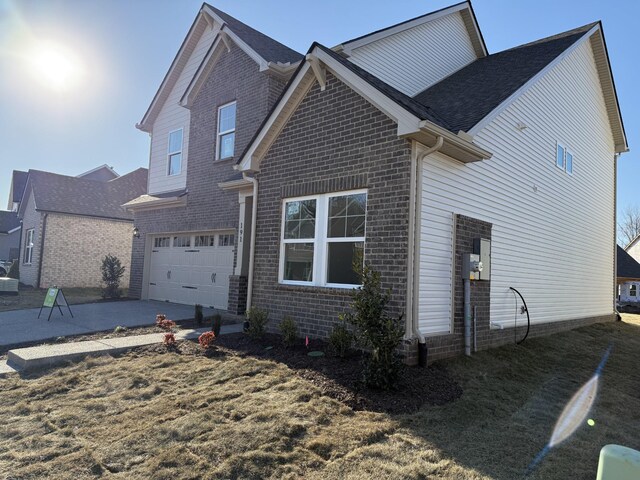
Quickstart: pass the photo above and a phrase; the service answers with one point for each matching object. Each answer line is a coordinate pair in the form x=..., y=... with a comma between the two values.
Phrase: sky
x=123, y=48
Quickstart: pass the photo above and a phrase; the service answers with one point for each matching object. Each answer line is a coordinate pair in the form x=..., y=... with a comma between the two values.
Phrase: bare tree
x=629, y=225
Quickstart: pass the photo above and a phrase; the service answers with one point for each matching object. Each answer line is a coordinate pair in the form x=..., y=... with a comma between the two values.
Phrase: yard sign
x=55, y=298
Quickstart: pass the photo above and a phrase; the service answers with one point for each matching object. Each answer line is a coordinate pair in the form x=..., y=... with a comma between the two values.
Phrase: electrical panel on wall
x=482, y=248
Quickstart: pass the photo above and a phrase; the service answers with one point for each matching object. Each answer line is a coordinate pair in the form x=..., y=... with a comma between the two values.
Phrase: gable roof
x=81, y=196
x=102, y=173
x=8, y=221
x=18, y=182
x=470, y=94
x=268, y=52
x=466, y=11
x=627, y=267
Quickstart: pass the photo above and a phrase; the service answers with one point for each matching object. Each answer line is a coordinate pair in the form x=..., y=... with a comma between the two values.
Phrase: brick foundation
x=237, y=294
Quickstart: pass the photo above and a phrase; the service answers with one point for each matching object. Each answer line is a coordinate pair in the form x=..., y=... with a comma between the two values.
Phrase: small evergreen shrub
x=340, y=340
x=199, y=318
x=257, y=319
x=14, y=270
x=216, y=324
x=112, y=272
x=120, y=329
x=289, y=331
x=377, y=333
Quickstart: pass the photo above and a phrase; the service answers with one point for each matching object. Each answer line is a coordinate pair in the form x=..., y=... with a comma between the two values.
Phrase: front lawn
x=158, y=415
x=29, y=297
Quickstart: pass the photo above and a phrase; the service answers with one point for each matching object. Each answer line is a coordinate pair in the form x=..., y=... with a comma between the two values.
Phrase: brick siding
x=235, y=77
x=334, y=141
x=75, y=246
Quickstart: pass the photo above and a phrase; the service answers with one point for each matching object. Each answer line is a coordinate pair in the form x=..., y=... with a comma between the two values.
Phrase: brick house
x=407, y=148
x=70, y=223
x=223, y=81
x=412, y=147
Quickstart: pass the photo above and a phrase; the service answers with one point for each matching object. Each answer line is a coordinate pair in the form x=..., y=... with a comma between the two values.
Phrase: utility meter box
x=482, y=248
x=471, y=266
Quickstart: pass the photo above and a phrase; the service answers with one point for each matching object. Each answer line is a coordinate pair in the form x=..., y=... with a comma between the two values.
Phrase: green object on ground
x=49, y=300
x=618, y=463
x=316, y=354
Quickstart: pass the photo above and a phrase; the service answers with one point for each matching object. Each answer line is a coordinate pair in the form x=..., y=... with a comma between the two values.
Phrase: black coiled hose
x=526, y=309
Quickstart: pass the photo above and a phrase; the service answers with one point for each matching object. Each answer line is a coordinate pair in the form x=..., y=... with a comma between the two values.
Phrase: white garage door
x=190, y=269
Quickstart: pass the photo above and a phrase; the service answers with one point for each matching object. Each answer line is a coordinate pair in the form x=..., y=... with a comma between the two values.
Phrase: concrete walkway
x=24, y=326
x=22, y=359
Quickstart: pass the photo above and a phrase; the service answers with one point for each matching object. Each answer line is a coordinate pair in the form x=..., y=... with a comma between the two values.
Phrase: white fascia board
x=249, y=161
x=533, y=80
x=348, y=46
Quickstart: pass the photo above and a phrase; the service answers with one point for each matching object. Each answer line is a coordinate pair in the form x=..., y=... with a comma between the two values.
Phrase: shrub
x=112, y=271
x=377, y=333
x=289, y=331
x=206, y=340
x=199, y=318
x=163, y=323
x=14, y=270
x=257, y=319
x=120, y=329
x=340, y=340
x=216, y=324
x=169, y=339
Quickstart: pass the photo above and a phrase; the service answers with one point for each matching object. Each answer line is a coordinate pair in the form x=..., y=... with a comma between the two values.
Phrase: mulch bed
x=338, y=378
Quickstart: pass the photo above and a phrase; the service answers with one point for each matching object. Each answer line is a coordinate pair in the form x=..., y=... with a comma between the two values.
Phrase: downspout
x=44, y=229
x=412, y=329
x=252, y=238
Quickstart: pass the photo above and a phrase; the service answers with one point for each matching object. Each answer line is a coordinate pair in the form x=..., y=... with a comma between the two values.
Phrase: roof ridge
x=583, y=29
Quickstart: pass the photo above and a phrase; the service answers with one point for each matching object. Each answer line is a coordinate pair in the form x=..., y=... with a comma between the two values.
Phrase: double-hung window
x=28, y=246
x=564, y=158
x=226, y=131
x=175, y=153
x=323, y=239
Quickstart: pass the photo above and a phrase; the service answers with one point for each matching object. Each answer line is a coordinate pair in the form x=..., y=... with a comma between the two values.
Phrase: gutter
x=252, y=240
x=412, y=329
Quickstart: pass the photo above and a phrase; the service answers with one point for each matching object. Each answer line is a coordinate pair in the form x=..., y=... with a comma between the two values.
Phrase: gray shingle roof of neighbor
x=627, y=266
x=268, y=48
x=19, y=181
x=467, y=96
x=8, y=221
x=81, y=196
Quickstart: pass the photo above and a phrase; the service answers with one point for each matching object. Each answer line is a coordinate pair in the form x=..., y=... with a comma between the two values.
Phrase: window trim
x=170, y=153
x=220, y=134
x=320, y=240
x=28, y=247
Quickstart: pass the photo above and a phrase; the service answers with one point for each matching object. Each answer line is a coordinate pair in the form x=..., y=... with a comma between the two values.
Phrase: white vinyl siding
x=551, y=231
x=419, y=57
x=172, y=116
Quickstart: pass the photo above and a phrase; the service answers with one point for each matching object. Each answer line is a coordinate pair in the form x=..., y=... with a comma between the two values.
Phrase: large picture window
x=226, y=131
x=323, y=239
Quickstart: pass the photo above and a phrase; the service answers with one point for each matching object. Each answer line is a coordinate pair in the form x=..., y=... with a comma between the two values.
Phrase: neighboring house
x=628, y=272
x=409, y=146
x=220, y=86
x=18, y=182
x=70, y=223
x=9, y=236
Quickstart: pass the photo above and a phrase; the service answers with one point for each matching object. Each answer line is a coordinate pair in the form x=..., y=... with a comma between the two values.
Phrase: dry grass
x=167, y=416
x=29, y=297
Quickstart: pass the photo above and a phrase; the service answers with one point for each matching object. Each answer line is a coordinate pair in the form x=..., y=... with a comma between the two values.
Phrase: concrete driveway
x=24, y=326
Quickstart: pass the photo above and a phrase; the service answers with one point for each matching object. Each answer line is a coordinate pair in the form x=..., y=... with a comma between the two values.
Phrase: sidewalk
x=30, y=358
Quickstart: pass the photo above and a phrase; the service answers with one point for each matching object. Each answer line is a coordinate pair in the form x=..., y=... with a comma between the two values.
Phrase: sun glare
x=55, y=66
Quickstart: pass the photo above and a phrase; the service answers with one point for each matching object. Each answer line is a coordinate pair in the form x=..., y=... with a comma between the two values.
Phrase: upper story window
x=28, y=246
x=175, y=153
x=323, y=239
x=564, y=158
x=633, y=290
x=226, y=131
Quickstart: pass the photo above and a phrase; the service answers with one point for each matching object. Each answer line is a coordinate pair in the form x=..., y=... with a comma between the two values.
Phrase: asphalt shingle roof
x=627, y=265
x=8, y=221
x=19, y=181
x=470, y=94
x=268, y=48
x=81, y=196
